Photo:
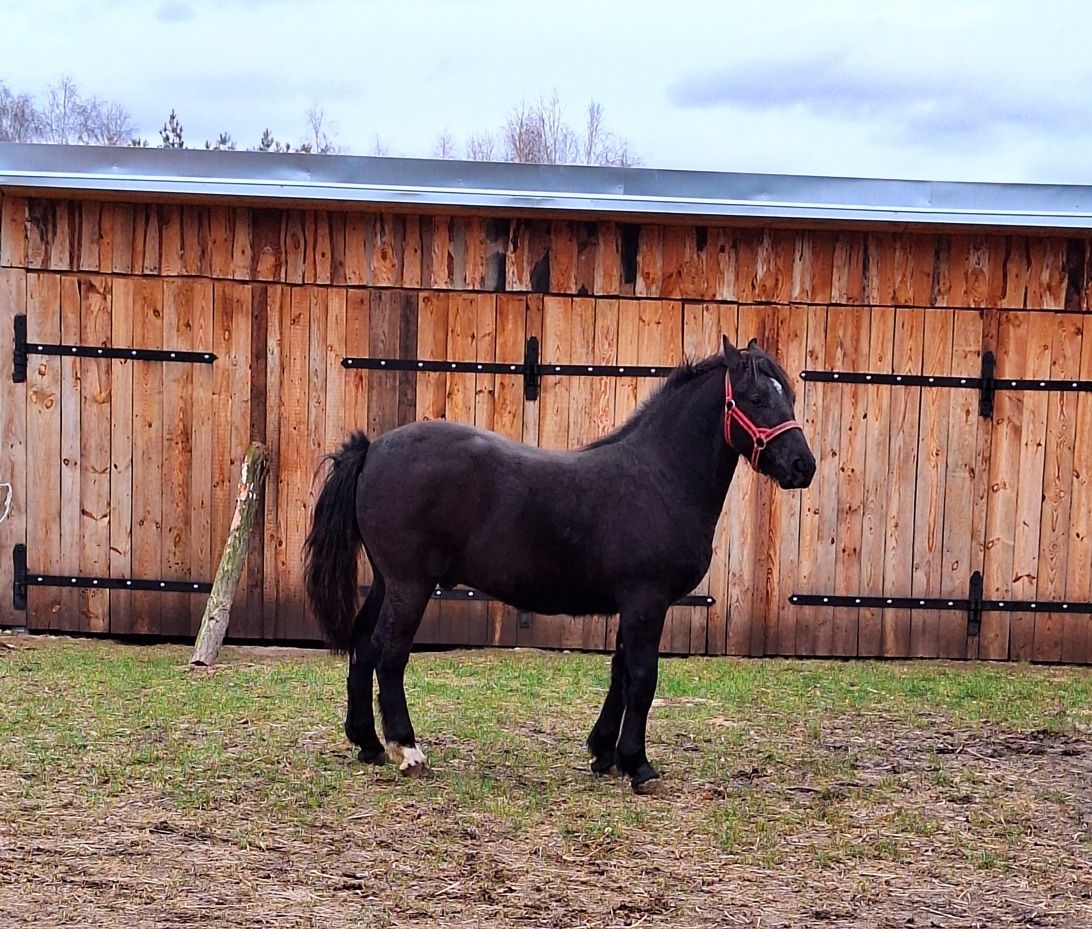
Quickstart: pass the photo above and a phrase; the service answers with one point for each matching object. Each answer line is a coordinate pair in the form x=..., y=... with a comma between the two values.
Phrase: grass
x=780, y=766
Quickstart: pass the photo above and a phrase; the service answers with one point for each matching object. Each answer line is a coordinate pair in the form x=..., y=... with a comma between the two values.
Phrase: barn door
x=129, y=449
x=953, y=488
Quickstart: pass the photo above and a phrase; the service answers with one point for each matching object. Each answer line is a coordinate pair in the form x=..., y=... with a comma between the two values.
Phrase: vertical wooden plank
x=69, y=615
x=1001, y=510
x=94, y=439
x=356, y=269
x=724, y=321
x=461, y=336
x=1059, y=475
x=931, y=480
x=649, y=260
x=384, y=242
x=267, y=245
x=121, y=252
x=608, y=260
x=121, y=456
x=13, y=431
x=278, y=305
x=1076, y=636
x=791, y=349
x=202, y=418
x=89, y=214
x=242, y=246
x=877, y=413
x=151, y=242
x=562, y=245
x=170, y=240
x=743, y=510
x=39, y=223
x=959, y=546
x=903, y=457
x=441, y=260
x=432, y=332
x=221, y=238
x=411, y=251
x=673, y=259
x=294, y=485
x=485, y=341
x=508, y=421
x=177, y=465
x=147, y=459
x=854, y=327
x=13, y=232
x=383, y=335
x=1030, y=489
x=195, y=257
x=43, y=444
x=407, y=348
x=106, y=238
x=588, y=632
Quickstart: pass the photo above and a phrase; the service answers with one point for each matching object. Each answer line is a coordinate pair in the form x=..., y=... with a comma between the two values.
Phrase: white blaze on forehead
x=777, y=385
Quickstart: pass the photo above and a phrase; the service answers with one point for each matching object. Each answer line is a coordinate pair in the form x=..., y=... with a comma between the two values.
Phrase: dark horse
x=624, y=525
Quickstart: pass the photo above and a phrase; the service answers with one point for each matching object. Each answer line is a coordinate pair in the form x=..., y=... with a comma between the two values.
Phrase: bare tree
x=445, y=145
x=481, y=147
x=20, y=118
x=105, y=123
x=320, y=133
x=381, y=149
x=63, y=112
x=223, y=143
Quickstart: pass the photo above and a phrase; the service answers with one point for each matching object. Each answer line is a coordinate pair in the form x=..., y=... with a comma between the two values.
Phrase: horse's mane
x=685, y=373
x=680, y=376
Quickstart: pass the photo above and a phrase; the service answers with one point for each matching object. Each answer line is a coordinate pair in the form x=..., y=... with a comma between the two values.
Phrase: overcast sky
x=993, y=90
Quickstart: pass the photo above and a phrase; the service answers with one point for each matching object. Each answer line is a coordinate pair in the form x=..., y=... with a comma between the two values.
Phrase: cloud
x=174, y=12
x=913, y=104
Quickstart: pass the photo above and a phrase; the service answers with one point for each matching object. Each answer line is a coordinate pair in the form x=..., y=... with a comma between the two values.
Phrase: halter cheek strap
x=761, y=436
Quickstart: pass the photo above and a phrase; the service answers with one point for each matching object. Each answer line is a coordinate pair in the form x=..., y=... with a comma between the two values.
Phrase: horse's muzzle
x=801, y=472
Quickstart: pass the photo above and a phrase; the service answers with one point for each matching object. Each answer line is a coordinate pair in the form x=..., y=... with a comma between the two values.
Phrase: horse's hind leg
x=359, y=715
x=403, y=607
x=603, y=739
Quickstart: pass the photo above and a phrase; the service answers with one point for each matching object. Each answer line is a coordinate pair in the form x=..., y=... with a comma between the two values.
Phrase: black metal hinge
x=987, y=384
x=23, y=348
x=24, y=579
x=532, y=369
x=973, y=604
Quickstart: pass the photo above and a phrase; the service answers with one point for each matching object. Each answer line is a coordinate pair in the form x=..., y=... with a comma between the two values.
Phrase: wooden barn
x=160, y=309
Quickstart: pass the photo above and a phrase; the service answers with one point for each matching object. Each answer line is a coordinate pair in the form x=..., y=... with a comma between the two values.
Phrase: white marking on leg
x=412, y=758
x=407, y=757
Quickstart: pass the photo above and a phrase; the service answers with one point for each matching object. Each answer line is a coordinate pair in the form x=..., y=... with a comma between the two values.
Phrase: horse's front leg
x=641, y=626
x=603, y=739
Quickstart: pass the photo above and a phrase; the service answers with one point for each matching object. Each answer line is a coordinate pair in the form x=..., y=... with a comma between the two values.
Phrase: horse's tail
x=333, y=546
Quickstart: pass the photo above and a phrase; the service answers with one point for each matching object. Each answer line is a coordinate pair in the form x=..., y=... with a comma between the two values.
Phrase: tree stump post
x=214, y=623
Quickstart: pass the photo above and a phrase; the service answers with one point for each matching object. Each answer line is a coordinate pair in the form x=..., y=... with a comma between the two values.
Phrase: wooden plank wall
x=135, y=463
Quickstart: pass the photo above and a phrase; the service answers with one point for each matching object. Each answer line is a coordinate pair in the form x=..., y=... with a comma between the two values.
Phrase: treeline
x=532, y=133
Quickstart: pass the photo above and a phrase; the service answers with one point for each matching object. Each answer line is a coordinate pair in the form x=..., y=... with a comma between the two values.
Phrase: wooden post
x=215, y=621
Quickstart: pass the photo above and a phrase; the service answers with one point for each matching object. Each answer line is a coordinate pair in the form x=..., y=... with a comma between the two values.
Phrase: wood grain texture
x=13, y=437
x=43, y=446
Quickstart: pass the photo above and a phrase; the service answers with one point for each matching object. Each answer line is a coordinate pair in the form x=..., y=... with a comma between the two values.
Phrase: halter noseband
x=761, y=436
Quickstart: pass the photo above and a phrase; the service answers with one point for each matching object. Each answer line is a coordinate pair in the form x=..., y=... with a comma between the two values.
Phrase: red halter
x=761, y=436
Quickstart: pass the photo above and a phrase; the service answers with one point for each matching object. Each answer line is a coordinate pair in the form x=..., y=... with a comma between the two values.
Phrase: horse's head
x=759, y=422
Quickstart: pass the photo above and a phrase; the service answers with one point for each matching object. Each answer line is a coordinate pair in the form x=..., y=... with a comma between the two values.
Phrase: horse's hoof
x=653, y=787
x=602, y=766
x=411, y=761
x=375, y=756
x=646, y=781
x=414, y=770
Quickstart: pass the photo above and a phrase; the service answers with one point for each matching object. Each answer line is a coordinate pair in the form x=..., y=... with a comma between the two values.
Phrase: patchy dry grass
x=139, y=793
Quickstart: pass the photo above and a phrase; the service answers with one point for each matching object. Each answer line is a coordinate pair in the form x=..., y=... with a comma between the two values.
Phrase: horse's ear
x=730, y=351
x=752, y=345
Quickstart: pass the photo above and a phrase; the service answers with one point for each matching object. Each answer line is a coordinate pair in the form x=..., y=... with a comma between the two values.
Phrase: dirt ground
x=925, y=825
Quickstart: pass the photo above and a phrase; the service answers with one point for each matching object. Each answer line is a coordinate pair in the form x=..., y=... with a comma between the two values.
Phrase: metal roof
x=501, y=188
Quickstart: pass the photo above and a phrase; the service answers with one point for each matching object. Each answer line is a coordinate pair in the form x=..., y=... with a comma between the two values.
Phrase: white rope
x=7, y=502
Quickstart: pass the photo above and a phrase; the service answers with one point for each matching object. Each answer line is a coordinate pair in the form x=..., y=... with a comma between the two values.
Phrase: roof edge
x=405, y=184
